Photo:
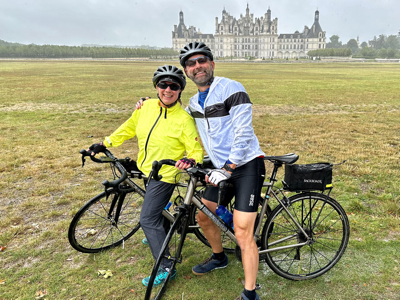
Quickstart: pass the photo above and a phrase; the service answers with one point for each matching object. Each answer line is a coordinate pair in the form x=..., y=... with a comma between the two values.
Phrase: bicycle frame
x=189, y=199
x=308, y=230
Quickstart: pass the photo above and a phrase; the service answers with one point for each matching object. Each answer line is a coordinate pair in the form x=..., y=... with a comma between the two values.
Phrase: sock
x=250, y=294
x=219, y=256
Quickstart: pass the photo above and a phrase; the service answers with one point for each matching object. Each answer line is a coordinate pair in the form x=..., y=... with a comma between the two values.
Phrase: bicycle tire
x=172, y=248
x=227, y=243
x=93, y=228
x=323, y=219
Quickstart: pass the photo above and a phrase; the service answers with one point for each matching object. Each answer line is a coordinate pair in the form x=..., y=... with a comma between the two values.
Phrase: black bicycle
x=112, y=217
x=303, y=237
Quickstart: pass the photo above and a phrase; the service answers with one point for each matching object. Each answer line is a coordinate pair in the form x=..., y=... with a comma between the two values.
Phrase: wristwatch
x=228, y=167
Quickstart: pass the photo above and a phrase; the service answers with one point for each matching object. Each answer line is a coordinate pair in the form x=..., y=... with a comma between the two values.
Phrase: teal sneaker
x=144, y=241
x=160, y=278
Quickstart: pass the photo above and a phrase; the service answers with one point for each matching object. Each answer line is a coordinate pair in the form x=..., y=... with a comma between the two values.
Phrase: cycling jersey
x=163, y=133
x=225, y=123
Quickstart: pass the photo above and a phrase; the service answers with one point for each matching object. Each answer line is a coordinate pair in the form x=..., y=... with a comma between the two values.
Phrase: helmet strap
x=211, y=80
x=172, y=104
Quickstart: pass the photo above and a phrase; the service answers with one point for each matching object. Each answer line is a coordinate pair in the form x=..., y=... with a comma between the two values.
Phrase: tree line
x=346, y=52
x=379, y=47
x=12, y=50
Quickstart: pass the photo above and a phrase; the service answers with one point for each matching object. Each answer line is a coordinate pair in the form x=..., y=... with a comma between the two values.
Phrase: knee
x=244, y=237
x=202, y=219
x=149, y=220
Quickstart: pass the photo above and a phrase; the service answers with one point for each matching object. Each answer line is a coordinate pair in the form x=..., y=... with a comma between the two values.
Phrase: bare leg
x=243, y=223
x=211, y=231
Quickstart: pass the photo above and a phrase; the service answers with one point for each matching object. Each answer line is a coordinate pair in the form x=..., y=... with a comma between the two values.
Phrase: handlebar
x=111, y=158
x=158, y=164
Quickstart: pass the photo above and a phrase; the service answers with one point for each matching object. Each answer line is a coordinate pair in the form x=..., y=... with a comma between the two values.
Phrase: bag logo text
x=312, y=181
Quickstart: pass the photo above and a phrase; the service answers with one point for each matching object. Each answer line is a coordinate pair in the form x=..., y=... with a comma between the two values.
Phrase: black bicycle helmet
x=170, y=73
x=192, y=49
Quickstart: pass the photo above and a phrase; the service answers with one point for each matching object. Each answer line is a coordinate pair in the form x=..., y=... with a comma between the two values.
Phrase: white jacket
x=225, y=124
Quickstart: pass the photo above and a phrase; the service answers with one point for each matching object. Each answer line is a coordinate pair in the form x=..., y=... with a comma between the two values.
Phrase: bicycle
x=112, y=217
x=303, y=237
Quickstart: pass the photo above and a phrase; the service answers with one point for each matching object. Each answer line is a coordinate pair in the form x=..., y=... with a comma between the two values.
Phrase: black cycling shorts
x=247, y=183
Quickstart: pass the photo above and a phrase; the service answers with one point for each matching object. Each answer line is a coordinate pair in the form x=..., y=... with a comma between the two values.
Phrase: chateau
x=249, y=36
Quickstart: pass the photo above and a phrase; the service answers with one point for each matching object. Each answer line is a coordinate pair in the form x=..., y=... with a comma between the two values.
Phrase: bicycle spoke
x=94, y=227
x=324, y=236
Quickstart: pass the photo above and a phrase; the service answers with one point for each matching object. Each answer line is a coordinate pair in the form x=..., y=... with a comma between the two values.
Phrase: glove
x=96, y=148
x=189, y=161
x=218, y=175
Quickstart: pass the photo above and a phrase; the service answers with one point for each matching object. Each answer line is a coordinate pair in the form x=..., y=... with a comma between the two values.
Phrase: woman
x=164, y=131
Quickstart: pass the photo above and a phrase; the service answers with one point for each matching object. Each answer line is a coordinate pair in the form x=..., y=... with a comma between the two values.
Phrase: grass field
x=49, y=110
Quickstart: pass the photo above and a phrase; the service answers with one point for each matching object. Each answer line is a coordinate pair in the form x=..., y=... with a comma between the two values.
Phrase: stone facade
x=249, y=36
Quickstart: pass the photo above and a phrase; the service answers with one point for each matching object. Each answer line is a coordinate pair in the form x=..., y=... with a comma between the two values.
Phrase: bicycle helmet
x=194, y=48
x=170, y=73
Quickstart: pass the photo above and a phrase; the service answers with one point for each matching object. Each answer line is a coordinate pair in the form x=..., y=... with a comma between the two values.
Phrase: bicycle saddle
x=289, y=158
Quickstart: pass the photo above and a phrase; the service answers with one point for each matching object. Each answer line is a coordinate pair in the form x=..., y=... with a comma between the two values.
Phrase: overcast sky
x=150, y=22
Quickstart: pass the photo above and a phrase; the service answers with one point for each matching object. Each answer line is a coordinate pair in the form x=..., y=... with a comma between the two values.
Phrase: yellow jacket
x=162, y=134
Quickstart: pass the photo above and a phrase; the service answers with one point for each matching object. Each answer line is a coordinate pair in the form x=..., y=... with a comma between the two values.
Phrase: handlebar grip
x=221, y=192
x=116, y=182
x=89, y=153
x=156, y=166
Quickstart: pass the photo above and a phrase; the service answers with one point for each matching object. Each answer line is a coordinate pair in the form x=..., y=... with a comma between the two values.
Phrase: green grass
x=50, y=110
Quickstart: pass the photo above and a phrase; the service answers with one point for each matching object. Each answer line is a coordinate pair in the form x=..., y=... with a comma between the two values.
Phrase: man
x=223, y=115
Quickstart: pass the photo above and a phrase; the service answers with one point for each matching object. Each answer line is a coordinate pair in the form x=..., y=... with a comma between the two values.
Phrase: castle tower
x=181, y=21
x=269, y=15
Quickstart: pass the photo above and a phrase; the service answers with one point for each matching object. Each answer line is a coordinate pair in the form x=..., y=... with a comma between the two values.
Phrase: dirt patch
x=258, y=109
x=319, y=109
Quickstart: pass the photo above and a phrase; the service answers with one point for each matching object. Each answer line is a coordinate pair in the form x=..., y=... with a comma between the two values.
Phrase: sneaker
x=144, y=241
x=160, y=278
x=243, y=297
x=210, y=264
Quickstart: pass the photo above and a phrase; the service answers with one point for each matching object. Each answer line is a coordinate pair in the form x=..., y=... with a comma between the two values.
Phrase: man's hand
x=139, y=104
x=96, y=148
x=216, y=176
x=185, y=163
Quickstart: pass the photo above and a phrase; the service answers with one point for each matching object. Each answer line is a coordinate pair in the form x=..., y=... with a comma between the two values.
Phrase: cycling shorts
x=247, y=181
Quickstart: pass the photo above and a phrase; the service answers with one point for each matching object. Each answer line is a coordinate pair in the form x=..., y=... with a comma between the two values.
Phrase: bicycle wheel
x=171, y=249
x=227, y=243
x=94, y=228
x=322, y=219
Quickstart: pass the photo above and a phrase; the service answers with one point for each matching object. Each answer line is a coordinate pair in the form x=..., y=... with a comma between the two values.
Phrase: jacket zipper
x=148, y=137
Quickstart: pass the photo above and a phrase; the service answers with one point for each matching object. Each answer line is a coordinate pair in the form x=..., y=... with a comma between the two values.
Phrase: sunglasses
x=201, y=60
x=172, y=86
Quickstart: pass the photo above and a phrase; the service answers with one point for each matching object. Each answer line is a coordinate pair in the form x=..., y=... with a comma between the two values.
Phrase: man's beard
x=205, y=80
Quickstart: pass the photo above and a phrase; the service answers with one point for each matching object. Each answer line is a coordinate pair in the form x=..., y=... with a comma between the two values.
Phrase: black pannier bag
x=308, y=177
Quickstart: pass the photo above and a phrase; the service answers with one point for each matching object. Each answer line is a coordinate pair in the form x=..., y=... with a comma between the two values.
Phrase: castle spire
x=316, y=15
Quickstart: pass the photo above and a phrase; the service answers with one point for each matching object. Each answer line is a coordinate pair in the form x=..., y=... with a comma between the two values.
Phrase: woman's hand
x=185, y=163
x=139, y=104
